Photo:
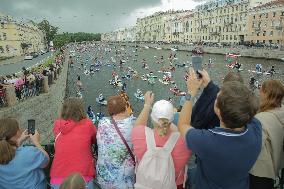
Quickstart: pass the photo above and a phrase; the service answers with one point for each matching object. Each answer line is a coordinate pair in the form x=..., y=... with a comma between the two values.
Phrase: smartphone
x=31, y=126
x=197, y=64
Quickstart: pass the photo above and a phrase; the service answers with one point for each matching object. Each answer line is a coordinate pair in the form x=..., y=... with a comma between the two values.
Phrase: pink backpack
x=156, y=169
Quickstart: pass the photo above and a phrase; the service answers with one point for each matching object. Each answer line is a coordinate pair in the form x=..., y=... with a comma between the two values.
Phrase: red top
x=73, y=149
x=180, y=152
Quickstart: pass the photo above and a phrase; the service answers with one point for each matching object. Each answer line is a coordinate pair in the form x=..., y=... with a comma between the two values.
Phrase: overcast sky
x=90, y=15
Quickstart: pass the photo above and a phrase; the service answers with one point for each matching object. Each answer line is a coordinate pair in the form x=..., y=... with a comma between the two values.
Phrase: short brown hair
x=233, y=76
x=116, y=105
x=237, y=104
x=73, y=109
x=274, y=93
x=8, y=128
x=74, y=181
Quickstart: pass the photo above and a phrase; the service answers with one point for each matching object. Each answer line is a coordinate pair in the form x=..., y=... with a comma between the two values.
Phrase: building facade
x=266, y=24
x=17, y=38
x=222, y=21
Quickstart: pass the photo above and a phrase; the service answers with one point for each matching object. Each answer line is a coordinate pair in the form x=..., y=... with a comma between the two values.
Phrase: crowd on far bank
x=29, y=82
x=237, y=140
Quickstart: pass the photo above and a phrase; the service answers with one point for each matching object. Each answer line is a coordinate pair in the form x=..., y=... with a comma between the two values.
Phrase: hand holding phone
x=31, y=126
x=197, y=64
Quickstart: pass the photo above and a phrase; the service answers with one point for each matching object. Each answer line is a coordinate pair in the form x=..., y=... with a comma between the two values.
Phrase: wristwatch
x=189, y=97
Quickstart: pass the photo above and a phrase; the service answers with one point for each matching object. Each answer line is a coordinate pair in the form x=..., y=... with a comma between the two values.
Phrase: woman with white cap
x=162, y=116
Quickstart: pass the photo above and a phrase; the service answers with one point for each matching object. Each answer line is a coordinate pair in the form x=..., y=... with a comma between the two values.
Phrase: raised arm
x=143, y=116
x=193, y=85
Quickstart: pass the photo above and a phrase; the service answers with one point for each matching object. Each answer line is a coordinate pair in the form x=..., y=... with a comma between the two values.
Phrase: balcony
x=278, y=27
x=215, y=33
x=257, y=28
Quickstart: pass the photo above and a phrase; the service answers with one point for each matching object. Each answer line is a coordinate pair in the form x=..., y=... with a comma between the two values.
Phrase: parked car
x=34, y=54
x=28, y=57
x=43, y=52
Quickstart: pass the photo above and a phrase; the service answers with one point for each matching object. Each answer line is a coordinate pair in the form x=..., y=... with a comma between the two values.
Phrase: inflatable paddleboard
x=139, y=97
x=101, y=102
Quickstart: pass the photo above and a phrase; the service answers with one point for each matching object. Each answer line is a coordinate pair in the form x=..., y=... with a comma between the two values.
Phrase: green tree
x=49, y=30
x=65, y=38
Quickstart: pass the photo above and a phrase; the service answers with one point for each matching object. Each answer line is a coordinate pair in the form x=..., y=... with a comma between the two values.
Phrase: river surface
x=99, y=82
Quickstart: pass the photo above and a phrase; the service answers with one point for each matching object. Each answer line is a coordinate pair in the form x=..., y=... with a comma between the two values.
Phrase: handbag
x=123, y=140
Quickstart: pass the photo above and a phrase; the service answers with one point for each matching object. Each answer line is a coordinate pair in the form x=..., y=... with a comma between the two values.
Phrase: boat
x=79, y=94
x=139, y=97
x=117, y=84
x=164, y=82
x=177, y=92
x=173, y=49
x=282, y=59
x=149, y=75
x=104, y=102
x=146, y=47
x=112, y=60
x=87, y=72
x=158, y=48
x=151, y=80
x=256, y=72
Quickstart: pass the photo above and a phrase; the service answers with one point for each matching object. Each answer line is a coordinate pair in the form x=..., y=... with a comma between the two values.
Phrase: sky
x=94, y=16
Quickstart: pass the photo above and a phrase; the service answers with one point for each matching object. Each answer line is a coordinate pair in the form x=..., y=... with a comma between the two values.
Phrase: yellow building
x=221, y=21
x=17, y=38
x=266, y=24
x=188, y=21
x=154, y=27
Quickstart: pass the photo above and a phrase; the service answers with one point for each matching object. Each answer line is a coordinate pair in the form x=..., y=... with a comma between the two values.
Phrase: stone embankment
x=43, y=108
x=244, y=51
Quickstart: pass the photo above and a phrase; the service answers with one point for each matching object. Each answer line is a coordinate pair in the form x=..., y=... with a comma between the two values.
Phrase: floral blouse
x=115, y=168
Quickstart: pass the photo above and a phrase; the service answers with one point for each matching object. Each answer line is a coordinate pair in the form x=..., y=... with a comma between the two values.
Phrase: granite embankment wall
x=247, y=52
x=43, y=108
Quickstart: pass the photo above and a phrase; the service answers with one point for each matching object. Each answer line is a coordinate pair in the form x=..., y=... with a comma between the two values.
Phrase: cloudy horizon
x=92, y=16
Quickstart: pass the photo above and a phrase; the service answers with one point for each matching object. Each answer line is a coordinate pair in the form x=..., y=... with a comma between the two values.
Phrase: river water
x=99, y=82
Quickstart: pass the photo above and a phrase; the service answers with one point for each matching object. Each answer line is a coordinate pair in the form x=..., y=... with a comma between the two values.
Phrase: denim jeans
x=89, y=185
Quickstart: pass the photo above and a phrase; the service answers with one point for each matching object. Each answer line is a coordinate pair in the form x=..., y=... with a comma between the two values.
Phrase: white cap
x=162, y=109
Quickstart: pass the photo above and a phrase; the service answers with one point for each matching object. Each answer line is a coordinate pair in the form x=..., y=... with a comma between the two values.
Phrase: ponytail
x=8, y=128
x=162, y=126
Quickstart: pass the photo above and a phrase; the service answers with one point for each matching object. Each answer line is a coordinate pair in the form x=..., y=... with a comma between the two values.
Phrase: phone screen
x=197, y=64
x=31, y=126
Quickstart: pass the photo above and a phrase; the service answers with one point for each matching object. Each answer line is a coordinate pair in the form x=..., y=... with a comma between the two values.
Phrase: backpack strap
x=150, y=138
x=171, y=142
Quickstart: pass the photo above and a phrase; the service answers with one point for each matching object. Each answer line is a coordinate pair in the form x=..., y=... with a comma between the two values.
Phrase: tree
x=49, y=30
x=65, y=38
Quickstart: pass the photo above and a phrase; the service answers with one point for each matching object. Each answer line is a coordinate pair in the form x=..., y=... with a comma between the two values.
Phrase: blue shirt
x=25, y=170
x=225, y=157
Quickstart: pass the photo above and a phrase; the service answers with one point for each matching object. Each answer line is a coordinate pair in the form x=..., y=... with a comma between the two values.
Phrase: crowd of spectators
x=237, y=140
x=29, y=83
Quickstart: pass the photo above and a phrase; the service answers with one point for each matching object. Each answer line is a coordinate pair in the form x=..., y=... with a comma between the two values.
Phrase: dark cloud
x=77, y=15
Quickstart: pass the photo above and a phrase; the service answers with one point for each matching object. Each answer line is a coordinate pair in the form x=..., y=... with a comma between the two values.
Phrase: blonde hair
x=74, y=181
x=8, y=128
x=162, y=126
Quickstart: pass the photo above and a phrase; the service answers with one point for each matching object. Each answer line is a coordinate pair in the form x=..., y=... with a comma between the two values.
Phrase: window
x=226, y=37
x=266, y=15
x=253, y=16
x=4, y=36
x=282, y=13
x=271, y=33
x=264, y=33
x=2, y=25
x=270, y=41
x=231, y=37
x=263, y=41
x=257, y=33
x=1, y=49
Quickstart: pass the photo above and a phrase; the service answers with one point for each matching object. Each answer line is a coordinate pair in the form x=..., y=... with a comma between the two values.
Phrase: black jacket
x=203, y=115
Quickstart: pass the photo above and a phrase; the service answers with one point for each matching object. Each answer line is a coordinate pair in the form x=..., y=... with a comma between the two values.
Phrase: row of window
x=265, y=15
x=264, y=33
